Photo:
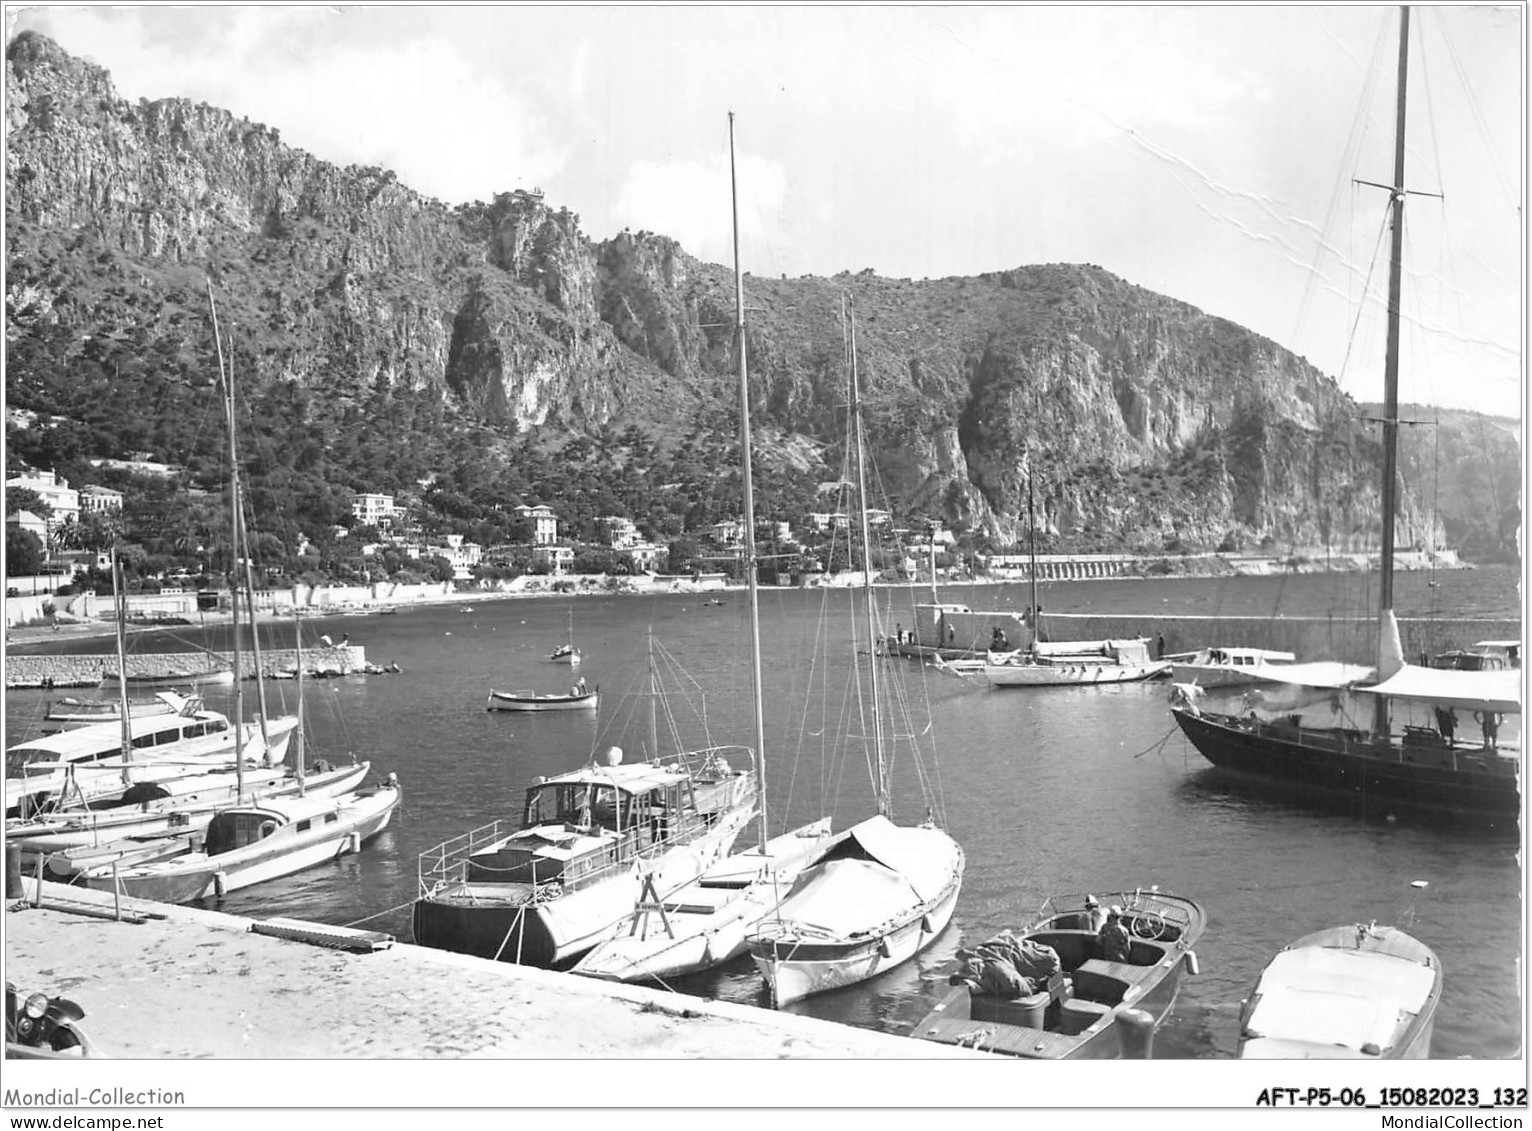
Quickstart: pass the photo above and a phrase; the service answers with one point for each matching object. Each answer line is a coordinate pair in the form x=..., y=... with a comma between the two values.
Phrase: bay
x=1047, y=790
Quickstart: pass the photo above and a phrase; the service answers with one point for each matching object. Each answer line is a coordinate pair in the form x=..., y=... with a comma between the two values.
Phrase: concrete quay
x=88, y=670
x=195, y=984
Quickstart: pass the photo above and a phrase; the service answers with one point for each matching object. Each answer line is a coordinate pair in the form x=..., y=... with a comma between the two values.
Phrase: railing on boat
x=446, y=865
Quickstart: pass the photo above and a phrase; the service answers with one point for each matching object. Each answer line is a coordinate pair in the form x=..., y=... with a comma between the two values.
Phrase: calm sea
x=1063, y=790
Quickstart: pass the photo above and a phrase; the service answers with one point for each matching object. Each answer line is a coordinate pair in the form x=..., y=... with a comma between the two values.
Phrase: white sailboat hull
x=576, y=922
x=705, y=924
x=1070, y=675
x=290, y=849
x=181, y=813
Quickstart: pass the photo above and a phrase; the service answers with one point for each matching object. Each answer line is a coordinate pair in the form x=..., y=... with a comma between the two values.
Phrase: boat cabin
x=1486, y=655
x=1246, y=657
x=240, y=828
x=579, y=827
x=101, y=741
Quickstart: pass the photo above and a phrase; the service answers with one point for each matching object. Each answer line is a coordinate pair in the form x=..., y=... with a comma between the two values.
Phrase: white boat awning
x=1493, y=690
x=1321, y=673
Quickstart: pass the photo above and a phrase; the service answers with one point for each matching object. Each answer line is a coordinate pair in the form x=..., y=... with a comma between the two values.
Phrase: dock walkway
x=257, y=997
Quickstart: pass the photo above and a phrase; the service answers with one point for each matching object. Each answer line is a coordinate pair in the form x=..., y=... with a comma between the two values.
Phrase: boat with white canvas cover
x=1357, y=992
x=881, y=892
x=707, y=922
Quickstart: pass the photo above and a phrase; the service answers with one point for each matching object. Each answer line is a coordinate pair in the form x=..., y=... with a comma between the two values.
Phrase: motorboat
x=1356, y=992
x=1087, y=1007
x=87, y=766
x=590, y=845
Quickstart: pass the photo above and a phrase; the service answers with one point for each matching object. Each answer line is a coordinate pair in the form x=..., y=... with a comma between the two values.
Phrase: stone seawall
x=87, y=671
x=1309, y=638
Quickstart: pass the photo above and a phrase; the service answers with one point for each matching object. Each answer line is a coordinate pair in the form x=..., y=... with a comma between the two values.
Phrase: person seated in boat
x=1095, y=918
x=1115, y=945
x=579, y=687
x=998, y=641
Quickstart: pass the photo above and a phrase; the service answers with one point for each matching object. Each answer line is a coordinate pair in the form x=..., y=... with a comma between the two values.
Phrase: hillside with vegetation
x=468, y=358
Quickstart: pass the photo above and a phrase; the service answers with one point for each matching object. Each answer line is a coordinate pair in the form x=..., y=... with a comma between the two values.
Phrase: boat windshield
x=19, y=763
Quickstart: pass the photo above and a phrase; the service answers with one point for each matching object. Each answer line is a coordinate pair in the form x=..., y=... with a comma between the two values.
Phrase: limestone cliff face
x=1134, y=418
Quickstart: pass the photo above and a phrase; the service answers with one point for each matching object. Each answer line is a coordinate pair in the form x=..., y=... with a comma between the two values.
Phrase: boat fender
x=353, y=843
x=1192, y=966
x=883, y=948
x=925, y=925
x=1135, y=1030
x=220, y=884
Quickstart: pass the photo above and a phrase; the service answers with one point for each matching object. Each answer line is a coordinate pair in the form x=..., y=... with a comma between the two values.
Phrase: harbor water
x=1047, y=790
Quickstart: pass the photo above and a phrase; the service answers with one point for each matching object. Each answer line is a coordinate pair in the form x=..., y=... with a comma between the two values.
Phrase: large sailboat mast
x=880, y=760
x=1390, y=653
x=748, y=489
x=234, y=551
x=1391, y=356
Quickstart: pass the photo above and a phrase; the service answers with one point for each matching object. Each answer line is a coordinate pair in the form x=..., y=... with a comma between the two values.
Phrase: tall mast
x=1032, y=549
x=1390, y=654
x=748, y=488
x=302, y=753
x=234, y=512
x=122, y=653
x=1391, y=356
x=884, y=803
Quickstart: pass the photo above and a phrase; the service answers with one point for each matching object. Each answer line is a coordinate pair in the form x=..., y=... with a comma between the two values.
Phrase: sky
x=1208, y=153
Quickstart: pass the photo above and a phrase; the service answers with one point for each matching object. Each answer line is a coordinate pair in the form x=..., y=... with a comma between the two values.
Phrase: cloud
x=689, y=201
x=417, y=106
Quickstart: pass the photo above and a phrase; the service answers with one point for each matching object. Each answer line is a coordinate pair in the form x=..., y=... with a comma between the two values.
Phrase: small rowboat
x=532, y=701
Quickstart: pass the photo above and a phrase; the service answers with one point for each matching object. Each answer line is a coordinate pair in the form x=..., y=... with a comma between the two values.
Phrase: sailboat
x=566, y=653
x=1412, y=754
x=255, y=838
x=1068, y=663
x=881, y=892
x=264, y=834
x=183, y=750
x=706, y=923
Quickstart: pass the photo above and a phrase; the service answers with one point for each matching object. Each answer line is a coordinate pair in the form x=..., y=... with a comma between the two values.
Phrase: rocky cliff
x=1135, y=419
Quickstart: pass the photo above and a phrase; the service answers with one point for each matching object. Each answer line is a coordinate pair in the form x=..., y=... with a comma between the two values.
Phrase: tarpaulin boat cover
x=1492, y=690
x=906, y=866
x=915, y=852
x=1326, y=996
